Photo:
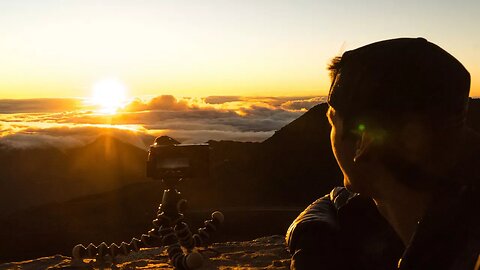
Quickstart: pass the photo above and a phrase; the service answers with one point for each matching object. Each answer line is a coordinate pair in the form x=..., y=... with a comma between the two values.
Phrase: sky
x=191, y=69
x=195, y=48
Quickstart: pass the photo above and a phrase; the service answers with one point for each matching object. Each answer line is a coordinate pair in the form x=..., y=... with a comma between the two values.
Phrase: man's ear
x=364, y=146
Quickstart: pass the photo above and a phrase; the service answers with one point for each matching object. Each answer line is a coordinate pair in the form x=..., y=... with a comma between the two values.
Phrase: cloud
x=303, y=104
x=190, y=120
x=202, y=136
x=222, y=99
x=65, y=137
x=164, y=102
x=276, y=102
x=39, y=105
x=25, y=141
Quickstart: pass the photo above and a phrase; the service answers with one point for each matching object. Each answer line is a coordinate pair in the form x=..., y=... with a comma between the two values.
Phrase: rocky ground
x=262, y=253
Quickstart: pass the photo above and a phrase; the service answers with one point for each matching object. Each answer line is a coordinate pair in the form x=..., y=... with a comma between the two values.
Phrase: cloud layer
x=66, y=123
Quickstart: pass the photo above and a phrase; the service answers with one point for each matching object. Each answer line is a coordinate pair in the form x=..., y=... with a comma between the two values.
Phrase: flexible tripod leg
x=169, y=230
x=177, y=257
x=184, y=235
x=202, y=238
x=80, y=252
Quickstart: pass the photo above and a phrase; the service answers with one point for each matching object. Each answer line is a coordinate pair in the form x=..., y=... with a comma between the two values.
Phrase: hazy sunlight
x=109, y=95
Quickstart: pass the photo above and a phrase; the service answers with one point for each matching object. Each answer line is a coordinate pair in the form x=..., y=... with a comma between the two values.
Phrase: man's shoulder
x=342, y=227
x=319, y=222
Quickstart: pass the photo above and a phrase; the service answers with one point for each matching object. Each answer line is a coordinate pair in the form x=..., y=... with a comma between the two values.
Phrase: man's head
x=396, y=105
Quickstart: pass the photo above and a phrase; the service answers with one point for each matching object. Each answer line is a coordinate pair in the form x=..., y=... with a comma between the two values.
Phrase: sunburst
x=109, y=95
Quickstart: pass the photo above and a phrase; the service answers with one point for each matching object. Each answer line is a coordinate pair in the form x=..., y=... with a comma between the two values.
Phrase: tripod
x=169, y=231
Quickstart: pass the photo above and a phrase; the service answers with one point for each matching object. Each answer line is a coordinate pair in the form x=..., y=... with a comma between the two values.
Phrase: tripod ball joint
x=218, y=216
x=194, y=260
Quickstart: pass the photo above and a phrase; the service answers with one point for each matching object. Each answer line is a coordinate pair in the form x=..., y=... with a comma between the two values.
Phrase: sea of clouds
x=66, y=123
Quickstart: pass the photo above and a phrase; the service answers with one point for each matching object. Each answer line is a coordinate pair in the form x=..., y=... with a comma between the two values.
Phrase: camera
x=167, y=158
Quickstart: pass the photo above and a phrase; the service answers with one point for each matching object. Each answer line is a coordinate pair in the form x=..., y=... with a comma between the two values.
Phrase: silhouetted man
x=397, y=111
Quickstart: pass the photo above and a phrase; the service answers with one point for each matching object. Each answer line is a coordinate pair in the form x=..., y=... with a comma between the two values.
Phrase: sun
x=109, y=95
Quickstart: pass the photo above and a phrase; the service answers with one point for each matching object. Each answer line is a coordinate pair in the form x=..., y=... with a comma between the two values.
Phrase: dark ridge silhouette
x=260, y=187
x=35, y=176
x=299, y=156
x=473, y=118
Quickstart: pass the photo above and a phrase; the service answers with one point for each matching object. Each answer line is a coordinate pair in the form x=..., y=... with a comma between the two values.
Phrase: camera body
x=169, y=159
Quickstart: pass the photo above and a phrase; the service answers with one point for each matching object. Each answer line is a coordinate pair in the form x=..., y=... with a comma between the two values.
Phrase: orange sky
x=57, y=48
